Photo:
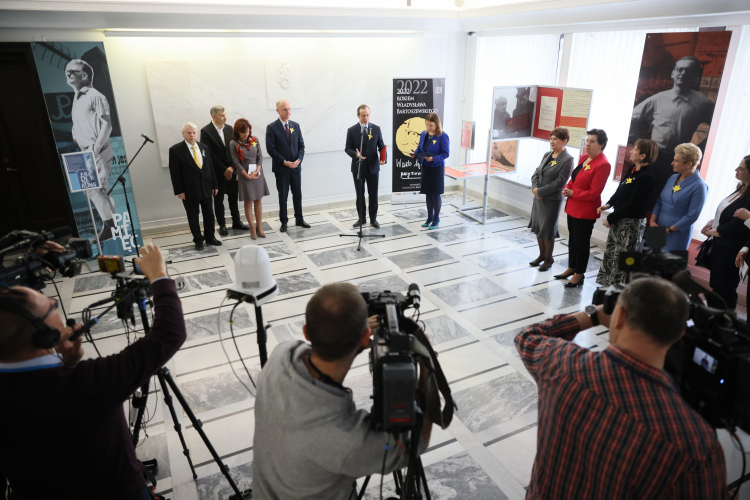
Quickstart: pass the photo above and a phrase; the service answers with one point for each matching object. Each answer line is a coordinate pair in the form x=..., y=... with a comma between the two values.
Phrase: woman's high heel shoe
x=260, y=232
x=574, y=285
x=427, y=224
x=536, y=261
x=546, y=267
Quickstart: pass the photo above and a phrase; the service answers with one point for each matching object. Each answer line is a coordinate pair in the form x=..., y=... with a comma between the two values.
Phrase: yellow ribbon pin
x=369, y=135
x=554, y=162
x=291, y=130
x=676, y=188
x=434, y=142
x=629, y=180
x=253, y=144
x=588, y=167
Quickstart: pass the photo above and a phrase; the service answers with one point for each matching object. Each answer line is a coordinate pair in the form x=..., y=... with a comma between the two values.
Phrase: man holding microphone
x=369, y=136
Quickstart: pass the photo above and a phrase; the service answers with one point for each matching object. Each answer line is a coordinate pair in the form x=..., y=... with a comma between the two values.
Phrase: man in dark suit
x=217, y=135
x=287, y=149
x=194, y=181
x=370, y=138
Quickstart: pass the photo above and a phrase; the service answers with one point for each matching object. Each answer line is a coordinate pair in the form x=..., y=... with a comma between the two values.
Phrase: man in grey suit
x=285, y=146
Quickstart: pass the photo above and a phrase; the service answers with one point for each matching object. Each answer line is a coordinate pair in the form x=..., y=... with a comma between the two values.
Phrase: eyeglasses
x=54, y=305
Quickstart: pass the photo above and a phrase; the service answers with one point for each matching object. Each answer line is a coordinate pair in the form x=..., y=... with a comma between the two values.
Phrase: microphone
x=146, y=137
x=414, y=295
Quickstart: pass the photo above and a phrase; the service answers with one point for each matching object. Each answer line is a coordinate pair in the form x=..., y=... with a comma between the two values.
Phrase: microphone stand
x=361, y=184
x=121, y=180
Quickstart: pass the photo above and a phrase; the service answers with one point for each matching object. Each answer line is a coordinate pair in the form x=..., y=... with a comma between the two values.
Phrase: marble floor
x=478, y=292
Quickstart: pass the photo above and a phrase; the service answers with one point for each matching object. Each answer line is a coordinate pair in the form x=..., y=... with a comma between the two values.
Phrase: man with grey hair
x=92, y=125
x=285, y=146
x=217, y=135
x=194, y=182
x=672, y=117
x=614, y=419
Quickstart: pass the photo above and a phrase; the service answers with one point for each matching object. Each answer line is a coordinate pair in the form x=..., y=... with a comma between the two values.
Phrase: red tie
x=288, y=135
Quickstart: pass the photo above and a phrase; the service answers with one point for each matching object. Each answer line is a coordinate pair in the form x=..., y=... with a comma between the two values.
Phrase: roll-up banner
x=81, y=105
x=413, y=100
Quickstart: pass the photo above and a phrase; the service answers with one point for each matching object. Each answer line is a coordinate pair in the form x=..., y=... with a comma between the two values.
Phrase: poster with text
x=82, y=111
x=413, y=100
x=562, y=107
x=80, y=169
x=678, y=85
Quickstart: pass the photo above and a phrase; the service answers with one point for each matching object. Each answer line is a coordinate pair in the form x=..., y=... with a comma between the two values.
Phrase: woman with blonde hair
x=682, y=199
x=434, y=141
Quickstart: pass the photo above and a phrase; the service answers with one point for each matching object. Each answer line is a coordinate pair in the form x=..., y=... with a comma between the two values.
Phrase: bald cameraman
x=63, y=432
x=310, y=440
x=612, y=424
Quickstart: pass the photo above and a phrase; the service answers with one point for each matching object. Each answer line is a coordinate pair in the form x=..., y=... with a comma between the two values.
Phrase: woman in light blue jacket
x=682, y=198
x=433, y=167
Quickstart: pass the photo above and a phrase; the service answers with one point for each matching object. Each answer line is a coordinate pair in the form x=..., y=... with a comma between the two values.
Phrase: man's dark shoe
x=213, y=241
x=359, y=223
x=223, y=231
x=199, y=246
x=283, y=228
x=303, y=224
x=375, y=224
x=107, y=227
x=239, y=225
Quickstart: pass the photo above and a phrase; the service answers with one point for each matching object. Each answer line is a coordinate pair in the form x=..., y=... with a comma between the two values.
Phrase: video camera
x=393, y=363
x=30, y=269
x=711, y=363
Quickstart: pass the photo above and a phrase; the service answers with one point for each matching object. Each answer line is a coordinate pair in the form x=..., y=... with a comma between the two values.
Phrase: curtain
x=511, y=61
x=732, y=141
x=609, y=62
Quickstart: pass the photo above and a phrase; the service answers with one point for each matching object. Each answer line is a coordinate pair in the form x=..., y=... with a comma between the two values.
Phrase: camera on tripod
x=392, y=363
x=29, y=269
x=711, y=363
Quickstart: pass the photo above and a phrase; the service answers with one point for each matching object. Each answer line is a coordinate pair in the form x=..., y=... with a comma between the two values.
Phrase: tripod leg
x=398, y=480
x=364, y=487
x=424, y=479
x=177, y=426
x=198, y=425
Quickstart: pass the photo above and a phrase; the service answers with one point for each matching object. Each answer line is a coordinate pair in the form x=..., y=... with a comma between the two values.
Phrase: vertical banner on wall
x=413, y=100
x=678, y=84
x=81, y=105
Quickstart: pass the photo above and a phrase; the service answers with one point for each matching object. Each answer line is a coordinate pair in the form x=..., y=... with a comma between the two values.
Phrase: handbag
x=703, y=259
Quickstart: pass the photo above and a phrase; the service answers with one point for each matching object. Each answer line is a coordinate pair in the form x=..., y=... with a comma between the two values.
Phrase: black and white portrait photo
x=513, y=112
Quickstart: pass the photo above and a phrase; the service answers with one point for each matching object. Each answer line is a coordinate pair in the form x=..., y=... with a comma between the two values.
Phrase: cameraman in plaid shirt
x=612, y=424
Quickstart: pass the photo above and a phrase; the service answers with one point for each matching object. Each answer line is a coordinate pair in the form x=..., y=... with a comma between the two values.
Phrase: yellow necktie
x=197, y=157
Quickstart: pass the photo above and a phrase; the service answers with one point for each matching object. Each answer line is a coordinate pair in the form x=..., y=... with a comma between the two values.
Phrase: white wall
x=325, y=176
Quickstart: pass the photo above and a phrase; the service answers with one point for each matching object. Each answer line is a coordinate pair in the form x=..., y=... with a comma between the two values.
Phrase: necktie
x=197, y=157
x=288, y=134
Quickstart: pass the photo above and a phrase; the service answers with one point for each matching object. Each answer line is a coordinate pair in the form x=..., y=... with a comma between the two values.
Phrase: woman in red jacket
x=584, y=197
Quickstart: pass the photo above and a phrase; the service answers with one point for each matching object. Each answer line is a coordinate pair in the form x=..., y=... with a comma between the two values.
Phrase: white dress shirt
x=221, y=133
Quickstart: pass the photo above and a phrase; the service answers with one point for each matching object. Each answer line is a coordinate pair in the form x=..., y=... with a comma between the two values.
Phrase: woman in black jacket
x=628, y=221
x=730, y=234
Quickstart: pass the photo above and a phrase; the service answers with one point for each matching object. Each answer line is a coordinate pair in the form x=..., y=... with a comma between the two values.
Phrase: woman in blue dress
x=682, y=198
x=433, y=167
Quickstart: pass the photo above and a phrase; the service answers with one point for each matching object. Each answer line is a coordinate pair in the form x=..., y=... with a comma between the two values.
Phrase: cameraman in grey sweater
x=310, y=440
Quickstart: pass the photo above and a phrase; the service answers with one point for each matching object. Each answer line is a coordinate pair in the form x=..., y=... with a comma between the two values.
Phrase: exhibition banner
x=678, y=85
x=413, y=100
x=81, y=105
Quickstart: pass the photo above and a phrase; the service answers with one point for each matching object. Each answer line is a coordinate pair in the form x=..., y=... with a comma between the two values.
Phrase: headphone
x=45, y=336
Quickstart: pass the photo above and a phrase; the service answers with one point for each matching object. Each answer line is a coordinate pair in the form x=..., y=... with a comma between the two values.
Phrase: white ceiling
x=427, y=16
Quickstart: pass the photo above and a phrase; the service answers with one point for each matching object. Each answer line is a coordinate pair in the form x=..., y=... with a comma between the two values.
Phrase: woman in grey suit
x=247, y=159
x=547, y=184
